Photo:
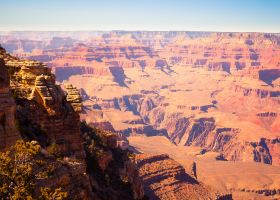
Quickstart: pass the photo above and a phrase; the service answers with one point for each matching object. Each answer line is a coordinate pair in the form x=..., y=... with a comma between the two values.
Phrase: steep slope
x=164, y=178
x=113, y=174
x=47, y=114
x=42, y=114
x=8, y=132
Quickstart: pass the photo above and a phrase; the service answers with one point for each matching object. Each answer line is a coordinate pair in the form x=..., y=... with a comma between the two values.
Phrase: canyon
x=199, y=97
x=86, y=163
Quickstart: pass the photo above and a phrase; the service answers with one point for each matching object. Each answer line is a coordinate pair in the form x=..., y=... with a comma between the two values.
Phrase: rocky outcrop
x=100, y=169
x=272, y=146
x=104, y=125
x=258, y=92
x=42, y=114
x=73, y=97
x=144, y=130
x=8, y=132
x=113, y=173
x=42, y=103
x=200, y=131
x=164, y=178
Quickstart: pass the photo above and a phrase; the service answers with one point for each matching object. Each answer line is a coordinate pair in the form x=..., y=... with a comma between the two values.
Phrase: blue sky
x=199, y=15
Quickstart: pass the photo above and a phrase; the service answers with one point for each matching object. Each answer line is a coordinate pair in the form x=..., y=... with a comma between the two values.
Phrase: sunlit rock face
x=44, y=101
x=165, y=178
x=41, y=112
x=197, y=89
x=49, y=114
x=216, y=92
x=44, y=111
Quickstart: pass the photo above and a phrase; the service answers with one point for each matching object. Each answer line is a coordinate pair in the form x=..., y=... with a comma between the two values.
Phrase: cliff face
x=42, y=103
x=164, y=178
x=42, y=111
x=113, y=173
x=237, y=53
x=8, y=132
x=43, y=114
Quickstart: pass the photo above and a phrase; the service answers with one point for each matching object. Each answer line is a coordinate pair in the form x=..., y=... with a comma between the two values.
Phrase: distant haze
x=192, y=15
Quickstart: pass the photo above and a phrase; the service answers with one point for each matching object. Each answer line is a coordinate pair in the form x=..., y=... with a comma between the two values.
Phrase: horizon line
x=136, y=30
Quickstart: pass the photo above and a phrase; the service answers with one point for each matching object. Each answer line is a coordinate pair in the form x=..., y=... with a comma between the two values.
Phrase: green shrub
x=20, y=167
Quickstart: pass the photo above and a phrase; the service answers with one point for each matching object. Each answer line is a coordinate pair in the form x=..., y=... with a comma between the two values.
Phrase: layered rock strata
x=164, y=178
x=46, y=113
x=43, y=103
x=43, y=114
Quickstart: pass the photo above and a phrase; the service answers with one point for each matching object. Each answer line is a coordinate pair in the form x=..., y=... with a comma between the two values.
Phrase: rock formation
x=44, y=112
x=164, y=178
x=218, y=92
x=43, y=103
x=8, y=132
x=113, y=174
x=73, y=97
